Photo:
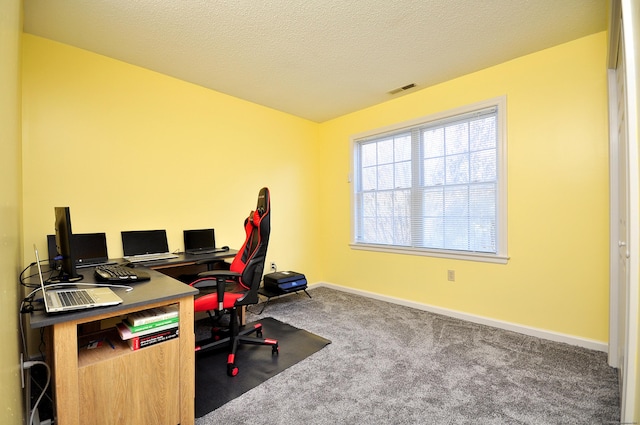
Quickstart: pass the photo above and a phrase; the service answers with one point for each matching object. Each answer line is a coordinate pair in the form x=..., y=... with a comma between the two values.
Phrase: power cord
x=29, y=365
x=26, y=306
x=23, y=279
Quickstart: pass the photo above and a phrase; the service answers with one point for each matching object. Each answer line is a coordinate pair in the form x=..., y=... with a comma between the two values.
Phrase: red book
x=138, y=342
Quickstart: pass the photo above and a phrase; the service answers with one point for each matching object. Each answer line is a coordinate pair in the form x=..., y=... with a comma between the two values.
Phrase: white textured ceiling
x=317, y=59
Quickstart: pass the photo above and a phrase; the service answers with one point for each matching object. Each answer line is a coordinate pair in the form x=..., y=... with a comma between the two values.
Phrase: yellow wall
x=557, y=277
x=93, y=125
x=96, y=128
x=10, y=259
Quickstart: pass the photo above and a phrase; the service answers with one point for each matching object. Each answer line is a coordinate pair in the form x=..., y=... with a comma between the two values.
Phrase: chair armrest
x=211, y=279
x=217, y=279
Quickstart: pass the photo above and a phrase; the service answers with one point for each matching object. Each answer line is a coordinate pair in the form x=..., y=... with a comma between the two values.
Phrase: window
x=435, y=186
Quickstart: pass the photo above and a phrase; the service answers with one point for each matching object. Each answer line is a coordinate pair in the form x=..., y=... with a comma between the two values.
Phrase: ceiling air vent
x=403, y=88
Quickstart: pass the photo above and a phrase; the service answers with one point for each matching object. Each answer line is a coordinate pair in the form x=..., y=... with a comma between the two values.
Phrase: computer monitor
x=65, y=246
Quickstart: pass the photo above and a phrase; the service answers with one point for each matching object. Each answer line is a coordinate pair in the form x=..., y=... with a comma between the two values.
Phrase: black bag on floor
x=283, y=282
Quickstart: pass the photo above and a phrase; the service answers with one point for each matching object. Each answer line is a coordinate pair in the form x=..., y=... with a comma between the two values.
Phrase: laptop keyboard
x=150, y=257
x=206, y=251
x=71, y=298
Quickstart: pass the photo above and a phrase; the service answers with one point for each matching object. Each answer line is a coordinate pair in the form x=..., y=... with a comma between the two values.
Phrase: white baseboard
x=526, y=330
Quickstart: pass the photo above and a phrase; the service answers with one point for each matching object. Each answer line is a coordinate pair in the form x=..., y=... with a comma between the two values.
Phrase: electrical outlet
x=274, y=268
x=451, y=275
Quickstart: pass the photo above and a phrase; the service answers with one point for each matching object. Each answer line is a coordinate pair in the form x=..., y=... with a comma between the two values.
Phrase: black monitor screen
x=65, y=245
x=91, y=249
x=199, y=239
x=140, y=242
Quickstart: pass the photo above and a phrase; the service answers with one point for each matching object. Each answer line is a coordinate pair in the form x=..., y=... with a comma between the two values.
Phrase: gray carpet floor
x=390, y=364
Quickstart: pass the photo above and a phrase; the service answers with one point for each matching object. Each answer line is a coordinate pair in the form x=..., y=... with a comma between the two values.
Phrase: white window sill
x=456, y=255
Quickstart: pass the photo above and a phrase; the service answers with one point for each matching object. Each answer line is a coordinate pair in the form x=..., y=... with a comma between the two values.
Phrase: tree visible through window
x=435, y=185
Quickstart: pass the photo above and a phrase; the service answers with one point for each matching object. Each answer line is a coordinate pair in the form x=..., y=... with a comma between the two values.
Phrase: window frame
x=501, y=255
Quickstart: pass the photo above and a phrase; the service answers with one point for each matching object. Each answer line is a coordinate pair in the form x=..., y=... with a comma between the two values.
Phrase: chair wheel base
x=232, y=370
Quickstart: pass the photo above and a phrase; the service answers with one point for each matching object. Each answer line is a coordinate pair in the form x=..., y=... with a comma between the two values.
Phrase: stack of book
x=148, y=327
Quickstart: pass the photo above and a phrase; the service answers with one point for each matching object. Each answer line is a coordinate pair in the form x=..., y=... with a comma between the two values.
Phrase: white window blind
x=436, y=185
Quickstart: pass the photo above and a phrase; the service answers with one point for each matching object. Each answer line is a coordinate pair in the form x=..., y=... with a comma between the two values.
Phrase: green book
x=143, y=317
x=151, y=325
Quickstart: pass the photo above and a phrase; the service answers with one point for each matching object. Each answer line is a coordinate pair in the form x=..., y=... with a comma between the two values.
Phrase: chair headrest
x=263, y=201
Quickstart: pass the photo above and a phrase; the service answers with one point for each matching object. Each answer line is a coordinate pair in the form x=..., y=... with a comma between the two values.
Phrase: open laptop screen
x=90, y=249
x=141, y=242
x=199, y=240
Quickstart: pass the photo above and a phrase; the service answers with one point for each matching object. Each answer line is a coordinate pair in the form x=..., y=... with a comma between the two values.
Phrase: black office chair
x=238, y=287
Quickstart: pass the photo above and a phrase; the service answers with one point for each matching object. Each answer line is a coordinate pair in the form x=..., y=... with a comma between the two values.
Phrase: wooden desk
x=183, y=261
x=154, y=385
x=186, y=265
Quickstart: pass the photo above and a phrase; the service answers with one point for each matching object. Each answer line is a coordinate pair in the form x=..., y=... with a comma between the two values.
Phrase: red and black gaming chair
x=238, y=286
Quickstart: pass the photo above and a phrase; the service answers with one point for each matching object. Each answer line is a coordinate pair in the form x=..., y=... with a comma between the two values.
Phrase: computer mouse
x=225, y=248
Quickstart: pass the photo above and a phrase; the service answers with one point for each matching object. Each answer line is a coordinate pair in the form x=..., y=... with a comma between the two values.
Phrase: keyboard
x=117, y=273
x=150, y=257
x=73, y=298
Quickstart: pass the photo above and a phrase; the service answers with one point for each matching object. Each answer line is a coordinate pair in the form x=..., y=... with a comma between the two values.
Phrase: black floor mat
x=256, y=364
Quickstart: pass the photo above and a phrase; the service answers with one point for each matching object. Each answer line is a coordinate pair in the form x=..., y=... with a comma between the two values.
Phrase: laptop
x=202, y=241
x=91, y=250
x=145, y=245
x=60, y=300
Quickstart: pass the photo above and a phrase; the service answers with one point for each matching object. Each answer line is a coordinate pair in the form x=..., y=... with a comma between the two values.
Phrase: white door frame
x=621, y=30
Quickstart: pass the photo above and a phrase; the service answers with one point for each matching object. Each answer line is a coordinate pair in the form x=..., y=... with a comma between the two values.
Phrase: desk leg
x=65, y=364
x=242, y=315
x=187, y=361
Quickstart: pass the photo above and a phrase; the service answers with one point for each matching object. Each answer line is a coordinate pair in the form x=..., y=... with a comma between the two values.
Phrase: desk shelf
x=153, y=385
x=111, y=346
x=89, y=356
x=136, y=387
